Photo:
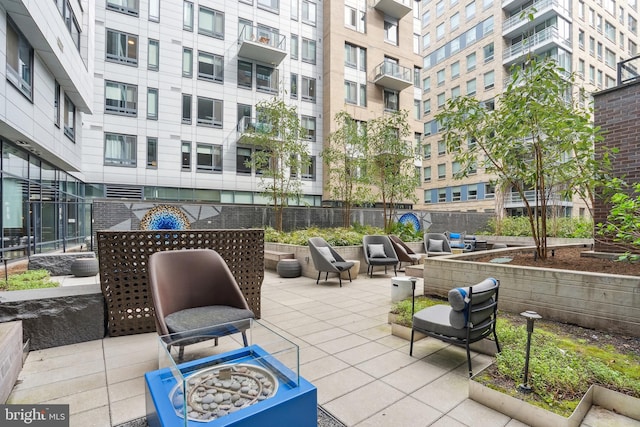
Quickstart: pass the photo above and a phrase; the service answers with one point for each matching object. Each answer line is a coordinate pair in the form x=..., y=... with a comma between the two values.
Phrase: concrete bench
x=58, y=264
x=271, y=258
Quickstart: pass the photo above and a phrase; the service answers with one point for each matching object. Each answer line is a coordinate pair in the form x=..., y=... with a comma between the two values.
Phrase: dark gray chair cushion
x=204, y=317
x=435, y=319
x=481, y=311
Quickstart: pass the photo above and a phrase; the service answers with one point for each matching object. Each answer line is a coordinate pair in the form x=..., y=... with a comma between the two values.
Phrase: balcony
x=249, y=127
x=536, y=44
x=629, y=70
x=393, y=76
x=394, y=8
x=541, y=11
x=513, y=200
x=262, y=45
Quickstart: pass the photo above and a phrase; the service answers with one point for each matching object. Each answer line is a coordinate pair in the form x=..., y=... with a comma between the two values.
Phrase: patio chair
x=326, y=259
x=193, y=290
x=469, y=317
x=436, y=244
x=403, y=252
x=456, y=240
x=379, y=251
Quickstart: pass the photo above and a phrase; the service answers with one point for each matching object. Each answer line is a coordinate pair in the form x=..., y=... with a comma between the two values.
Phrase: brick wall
x=616, y=112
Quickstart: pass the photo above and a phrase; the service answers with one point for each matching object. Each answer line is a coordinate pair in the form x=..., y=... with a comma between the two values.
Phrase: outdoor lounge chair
x=328, y=260
x=194, y=290
x=469, y=317
x=436, y=244
x=456, y=240
x=379, y=251
x=403, y=252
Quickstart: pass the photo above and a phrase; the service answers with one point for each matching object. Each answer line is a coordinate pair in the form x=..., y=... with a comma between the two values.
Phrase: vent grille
x=123, y=192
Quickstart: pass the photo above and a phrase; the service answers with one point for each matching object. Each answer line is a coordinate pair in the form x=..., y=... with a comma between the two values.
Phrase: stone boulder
x=58, y=264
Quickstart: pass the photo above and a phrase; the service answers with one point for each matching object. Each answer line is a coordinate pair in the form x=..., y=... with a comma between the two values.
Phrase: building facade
x=469, y=48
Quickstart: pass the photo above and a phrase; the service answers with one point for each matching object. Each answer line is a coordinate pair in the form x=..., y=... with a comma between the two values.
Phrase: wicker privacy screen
x=123, y=269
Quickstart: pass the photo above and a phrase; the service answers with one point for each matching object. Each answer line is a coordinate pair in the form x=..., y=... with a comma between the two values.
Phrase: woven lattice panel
x=123, y=259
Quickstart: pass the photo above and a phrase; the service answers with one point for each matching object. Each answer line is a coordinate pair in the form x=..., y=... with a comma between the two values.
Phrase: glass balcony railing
x=262, y=44
x=629, y=70
x=537, y=40
x=393, y=76
x=536, y=9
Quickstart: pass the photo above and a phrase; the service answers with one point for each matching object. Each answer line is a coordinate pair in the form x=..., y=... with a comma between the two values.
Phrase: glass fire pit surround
x=229, y=384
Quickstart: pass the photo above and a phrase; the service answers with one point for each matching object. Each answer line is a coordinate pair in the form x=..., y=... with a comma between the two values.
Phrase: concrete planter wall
x=538, y=417
x=10, y=357
x=600, y=301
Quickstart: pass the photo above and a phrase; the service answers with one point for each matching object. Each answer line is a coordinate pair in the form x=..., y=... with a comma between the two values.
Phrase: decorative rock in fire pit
x=220, y=390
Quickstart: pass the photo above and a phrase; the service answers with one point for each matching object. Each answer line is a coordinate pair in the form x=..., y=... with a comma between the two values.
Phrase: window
x=427, y=174
x=272, y=5
x=153, y=58
x=489, y=80
x=471, y=61
x=309, y=123
x=426, y=84
x=442, y=148
x=308, y=12
x=633, y=48
x=610, y=58
x=592, y=17
x=454, y=21
x=581, y=67
x=488, y=52
x=211, y=22
x=266, y=78
x=210, y=67
x=439, y=8
x=610, y=31
x=294, y=86
x=416, y=76
x=581, y=39
x=426, y=41
x=610, y=6
x=350, y=92
x=152, y=103
x=471, y=87
x=208, y=158
x=308, y=89
x=600, y=51
x=354, y=19
x=621, y=39
x=470, y=10
x=245, y=74
x=154, y=10
x=442, y=195
x=440, y=76
x=243, y=160
x=456, y=193
x=152, y=153
x=416, y=44
x=440, y=31
x=610, y=82
x=455, y=70
x=122, y=47
x=186, y=155
x=442, y=171
x=472, y=192
x=119, y=149
x=130, y=7
x=592, y=46
x=209, y=112
x=441, y=100
x=426, y=106
x=244, y=110
x=187, y=62
x=294, y=9
x=309, y=172
x=56, y=104
x=308, y=51
x=121, y=98
x=294, y=46
x=391, y=30
x=350, y=55
x=186, y=108
x=455, y=92
x=426, y=151
x=426, y=18
x=363, y=95
x=632, y=24
x=69, y=119
x=599, y=23
x=390, y=98
x=592, y=74
x=416, y=109
x=187, y=16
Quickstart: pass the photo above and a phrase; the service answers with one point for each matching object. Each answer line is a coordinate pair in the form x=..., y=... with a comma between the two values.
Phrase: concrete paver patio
x=364, y=375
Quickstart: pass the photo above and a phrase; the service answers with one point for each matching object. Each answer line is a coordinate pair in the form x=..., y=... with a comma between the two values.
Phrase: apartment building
x=47, y=77
x=468, y=49
x=175, y=90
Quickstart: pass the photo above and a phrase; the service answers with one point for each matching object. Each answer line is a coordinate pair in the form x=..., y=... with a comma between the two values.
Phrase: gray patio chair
x=403, y=252
x=327, y=260
x=379, y=251
x=193, y=290
x=469, y=317
x=433, y=245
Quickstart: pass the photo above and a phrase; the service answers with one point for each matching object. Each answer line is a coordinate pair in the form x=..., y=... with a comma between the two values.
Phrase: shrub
x=518, y=226
x=32, y=279
x=334, y=236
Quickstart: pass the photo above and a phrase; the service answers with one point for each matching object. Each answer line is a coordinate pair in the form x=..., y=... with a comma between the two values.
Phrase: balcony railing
x=534, y=43
x=513, y=198
x=629, y=70
x=393, y=76
x=537, y=9
x=262, y=44
x=249, y=127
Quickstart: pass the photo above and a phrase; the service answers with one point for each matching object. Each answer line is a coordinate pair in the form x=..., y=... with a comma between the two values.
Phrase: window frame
x=123, y=106
x=215, y=160
x=126, y=59
x=155, y=64
x=152, y=152
x=151, y=92
x=17, y=77
x=217, y=105
x=213, y=32
x=128, y=150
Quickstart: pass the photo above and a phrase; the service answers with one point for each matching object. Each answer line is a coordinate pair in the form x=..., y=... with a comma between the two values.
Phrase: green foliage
x=334, y=236
x=538, y=138
x=32, y=279
x=623, y=221
x=406, y=232
x=557, y=227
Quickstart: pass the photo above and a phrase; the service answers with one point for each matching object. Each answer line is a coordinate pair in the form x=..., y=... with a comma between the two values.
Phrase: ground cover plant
x=32, y=279
x=564, y=363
